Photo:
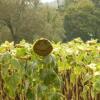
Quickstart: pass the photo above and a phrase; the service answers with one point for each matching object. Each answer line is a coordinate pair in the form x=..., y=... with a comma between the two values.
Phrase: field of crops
x=70, y=72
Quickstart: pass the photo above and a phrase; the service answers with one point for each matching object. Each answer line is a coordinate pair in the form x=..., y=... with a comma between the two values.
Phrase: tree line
x=30, y=19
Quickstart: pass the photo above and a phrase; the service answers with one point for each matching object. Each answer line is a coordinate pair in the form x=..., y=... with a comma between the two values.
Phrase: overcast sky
x=47, y=1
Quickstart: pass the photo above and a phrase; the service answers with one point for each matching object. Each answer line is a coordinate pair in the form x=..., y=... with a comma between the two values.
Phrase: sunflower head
x=42, y=47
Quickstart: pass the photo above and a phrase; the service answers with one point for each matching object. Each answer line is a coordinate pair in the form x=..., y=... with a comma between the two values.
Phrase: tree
x=27, y=19
x=53, y=28
x=82, y=20
x=12, y=14
x=21, y=18
x=97, y=3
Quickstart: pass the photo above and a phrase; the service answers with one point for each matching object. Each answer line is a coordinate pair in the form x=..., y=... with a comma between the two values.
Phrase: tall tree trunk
x=12, y=33
x=10, y=26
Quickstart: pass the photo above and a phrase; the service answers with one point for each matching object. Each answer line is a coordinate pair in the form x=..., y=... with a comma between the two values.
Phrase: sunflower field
x=70, y=71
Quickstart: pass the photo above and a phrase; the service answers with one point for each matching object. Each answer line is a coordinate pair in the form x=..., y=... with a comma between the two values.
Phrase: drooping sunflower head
x=42, y=47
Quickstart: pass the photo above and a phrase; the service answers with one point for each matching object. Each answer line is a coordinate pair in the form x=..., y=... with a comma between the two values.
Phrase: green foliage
x=82, y=20
x=71, y=71
x=32, y=20
x=29, y=21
